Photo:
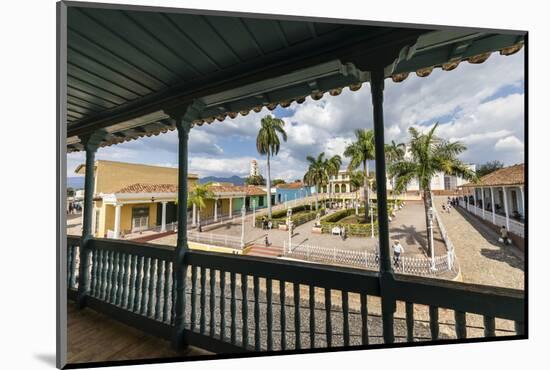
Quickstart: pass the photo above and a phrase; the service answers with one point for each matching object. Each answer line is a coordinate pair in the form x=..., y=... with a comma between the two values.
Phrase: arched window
x=344, y=188
x=337, y=188
x=324, y=188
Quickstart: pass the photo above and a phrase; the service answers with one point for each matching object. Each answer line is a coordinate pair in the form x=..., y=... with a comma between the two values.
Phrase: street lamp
x=431, y=235
x=243, y=212
x=371, y=208
x=289, y=222
x=253, y=212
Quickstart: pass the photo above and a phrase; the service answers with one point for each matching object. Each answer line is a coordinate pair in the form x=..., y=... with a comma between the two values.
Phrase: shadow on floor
x=504, y=252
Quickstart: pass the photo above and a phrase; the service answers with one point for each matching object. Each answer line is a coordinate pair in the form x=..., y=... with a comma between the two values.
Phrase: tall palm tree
x=360, y=152
x=319, y=171
x=356, y=180
x=394, y=152
x=198, y=197
x=268, y=143
x=429, y=155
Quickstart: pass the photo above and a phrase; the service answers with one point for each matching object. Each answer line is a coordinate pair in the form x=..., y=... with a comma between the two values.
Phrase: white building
x=440, y=181
x=254, y=171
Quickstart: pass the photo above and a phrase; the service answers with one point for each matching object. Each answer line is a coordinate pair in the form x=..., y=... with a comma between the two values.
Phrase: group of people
x=266, y=224
x=451, y=202
x=74, y=208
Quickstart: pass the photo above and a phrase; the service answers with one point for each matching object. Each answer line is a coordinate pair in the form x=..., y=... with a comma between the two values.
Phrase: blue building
x=294, y=190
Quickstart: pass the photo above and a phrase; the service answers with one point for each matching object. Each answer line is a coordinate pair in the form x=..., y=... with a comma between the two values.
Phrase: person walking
x=504, y=238
x=397, y=251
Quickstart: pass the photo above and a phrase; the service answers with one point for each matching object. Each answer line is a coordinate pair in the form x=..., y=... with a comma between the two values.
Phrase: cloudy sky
x=480, y=105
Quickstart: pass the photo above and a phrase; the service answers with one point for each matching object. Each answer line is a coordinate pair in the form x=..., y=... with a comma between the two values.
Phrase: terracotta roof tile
x=292, y=185
x=254, y=190
x=149, y=188
x=512, y=175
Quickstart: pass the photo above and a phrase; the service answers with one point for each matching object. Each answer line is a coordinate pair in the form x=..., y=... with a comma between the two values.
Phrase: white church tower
x=254, y=168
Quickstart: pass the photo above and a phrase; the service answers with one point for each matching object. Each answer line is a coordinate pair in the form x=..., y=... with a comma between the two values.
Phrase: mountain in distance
x=75, y=182
x=236, y=180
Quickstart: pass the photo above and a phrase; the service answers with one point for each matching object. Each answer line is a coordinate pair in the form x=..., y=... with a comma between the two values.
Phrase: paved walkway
x=408, y=226
x=482, y=259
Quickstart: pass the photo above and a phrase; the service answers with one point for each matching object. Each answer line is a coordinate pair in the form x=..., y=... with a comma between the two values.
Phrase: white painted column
x=522, y=201
x=163, y=221
x=475, y=201
x=493, y=205
x=483, y=203
x=117, y=220
x=505, y=196
x=230, y=207
x=194, y=215
x=216, y=209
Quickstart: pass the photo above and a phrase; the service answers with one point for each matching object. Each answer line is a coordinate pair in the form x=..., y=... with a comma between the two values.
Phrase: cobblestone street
x=482, y=259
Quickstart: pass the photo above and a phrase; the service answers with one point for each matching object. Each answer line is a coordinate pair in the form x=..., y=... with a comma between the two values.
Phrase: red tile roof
x=254, y=190
x=512, y=175
x=292, y=185
x=149, y=188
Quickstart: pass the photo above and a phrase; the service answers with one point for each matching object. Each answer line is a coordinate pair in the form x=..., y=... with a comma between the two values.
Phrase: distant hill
x=233, y=179
x=76, y=182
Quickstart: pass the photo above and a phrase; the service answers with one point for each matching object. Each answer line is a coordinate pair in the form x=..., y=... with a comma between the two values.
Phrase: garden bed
x=300, y=215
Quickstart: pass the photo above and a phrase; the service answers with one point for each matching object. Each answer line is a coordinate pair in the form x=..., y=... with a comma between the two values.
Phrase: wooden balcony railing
x=224, y=311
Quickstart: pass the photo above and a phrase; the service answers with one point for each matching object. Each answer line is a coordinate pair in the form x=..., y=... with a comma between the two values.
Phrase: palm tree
x=198, y=197
x=394, y=152
x=268, y=143
x=360, y=152
x=429, y=155
x=356, y=180
x=319, y=171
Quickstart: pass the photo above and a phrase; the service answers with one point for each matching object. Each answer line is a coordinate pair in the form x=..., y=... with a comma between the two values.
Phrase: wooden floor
x=94, y=337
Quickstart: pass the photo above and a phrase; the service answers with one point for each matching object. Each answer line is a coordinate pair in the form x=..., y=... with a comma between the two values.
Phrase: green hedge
x=300, y=215
x=330, y=221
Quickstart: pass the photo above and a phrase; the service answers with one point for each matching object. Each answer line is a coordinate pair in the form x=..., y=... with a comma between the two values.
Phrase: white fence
x=214, y=239
x=370, y=260
x=514, y=226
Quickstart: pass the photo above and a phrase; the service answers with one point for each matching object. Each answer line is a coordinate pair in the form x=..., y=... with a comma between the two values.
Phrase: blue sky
x=480, y=105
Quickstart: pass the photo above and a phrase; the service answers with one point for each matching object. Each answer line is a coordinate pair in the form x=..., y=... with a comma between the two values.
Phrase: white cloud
x=468, y=102
x=509, y=143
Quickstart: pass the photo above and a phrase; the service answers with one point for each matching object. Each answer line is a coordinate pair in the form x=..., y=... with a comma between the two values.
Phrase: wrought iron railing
x=239, y=303
x=415, y=265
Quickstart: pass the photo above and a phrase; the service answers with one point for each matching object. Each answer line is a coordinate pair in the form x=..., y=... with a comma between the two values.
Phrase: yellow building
x=133, y=197
x=130, y=198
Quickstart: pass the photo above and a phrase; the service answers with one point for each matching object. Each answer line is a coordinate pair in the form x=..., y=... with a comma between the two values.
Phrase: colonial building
x=132, y=198
x=499, y=198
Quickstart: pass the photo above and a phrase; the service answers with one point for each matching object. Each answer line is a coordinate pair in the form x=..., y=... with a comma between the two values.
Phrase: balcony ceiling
x=125, y=67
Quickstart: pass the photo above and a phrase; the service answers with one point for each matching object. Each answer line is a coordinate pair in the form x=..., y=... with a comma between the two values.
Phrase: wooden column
x=181, y=246
x=91, y=143
x=386, y=275
x=183, y=117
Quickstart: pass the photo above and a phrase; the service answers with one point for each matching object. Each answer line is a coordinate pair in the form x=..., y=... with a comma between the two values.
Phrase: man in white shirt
x=397, y=251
